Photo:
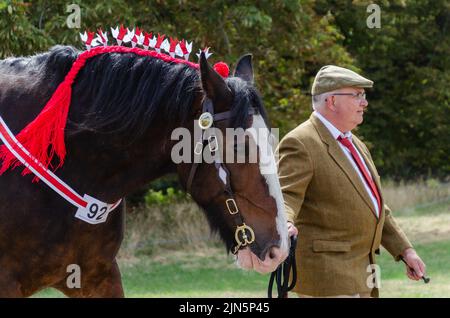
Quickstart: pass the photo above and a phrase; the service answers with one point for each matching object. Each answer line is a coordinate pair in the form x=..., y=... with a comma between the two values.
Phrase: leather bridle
x=244, y=234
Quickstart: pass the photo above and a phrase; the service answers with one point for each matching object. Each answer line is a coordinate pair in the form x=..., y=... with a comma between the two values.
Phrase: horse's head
x=243, y=199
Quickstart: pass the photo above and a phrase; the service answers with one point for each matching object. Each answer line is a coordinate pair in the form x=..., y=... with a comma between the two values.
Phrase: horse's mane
x=127, y=91
x=124, y=92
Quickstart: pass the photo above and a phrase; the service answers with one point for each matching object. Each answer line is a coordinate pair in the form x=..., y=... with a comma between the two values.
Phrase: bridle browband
x=244, y=234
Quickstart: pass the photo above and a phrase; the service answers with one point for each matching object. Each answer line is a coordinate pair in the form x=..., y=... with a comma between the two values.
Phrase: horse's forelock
x=245, y=96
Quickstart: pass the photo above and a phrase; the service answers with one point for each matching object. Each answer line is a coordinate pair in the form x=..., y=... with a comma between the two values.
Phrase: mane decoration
x=43, y=138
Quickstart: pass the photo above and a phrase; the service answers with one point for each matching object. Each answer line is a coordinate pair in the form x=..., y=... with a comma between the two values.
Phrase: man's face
x=349, y=109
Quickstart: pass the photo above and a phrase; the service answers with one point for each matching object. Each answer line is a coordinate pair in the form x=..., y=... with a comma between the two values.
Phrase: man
x=332, y=195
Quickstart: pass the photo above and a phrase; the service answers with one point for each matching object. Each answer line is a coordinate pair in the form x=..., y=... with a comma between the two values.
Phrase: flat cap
x=331, y=77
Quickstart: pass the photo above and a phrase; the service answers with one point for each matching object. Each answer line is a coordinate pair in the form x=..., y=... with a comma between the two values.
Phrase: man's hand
x=415, y=268
x=292, y=230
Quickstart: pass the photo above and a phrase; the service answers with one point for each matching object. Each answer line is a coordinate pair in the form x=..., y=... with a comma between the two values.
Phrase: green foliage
x=408, y=58
x=288, y=40
x=164, y=197
x=407, y=126
x=19, y=34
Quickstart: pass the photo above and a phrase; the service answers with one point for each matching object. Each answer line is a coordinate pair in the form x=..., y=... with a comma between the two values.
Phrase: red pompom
x=222, y=68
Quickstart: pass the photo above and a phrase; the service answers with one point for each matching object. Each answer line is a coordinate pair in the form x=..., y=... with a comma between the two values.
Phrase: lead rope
x=282, y=273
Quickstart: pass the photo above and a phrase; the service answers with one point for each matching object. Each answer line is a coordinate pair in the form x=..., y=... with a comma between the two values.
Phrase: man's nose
x=364, y=103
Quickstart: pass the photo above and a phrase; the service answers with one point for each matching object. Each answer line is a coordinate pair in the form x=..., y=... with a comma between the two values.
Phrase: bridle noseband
x=244, y=234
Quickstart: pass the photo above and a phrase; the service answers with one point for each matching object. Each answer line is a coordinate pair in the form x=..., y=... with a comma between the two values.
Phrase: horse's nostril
x=272, y=253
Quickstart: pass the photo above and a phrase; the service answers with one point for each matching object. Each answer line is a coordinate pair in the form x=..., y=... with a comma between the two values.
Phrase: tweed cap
x=331, y=77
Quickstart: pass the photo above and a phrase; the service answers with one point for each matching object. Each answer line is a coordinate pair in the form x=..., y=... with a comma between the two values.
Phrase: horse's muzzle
x=273, y=257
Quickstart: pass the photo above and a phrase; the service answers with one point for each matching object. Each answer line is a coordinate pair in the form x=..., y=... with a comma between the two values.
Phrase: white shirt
x=336, y=133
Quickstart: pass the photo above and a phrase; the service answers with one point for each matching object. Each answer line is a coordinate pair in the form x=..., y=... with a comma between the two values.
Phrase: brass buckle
x=205, y=120
x=232, y=206
x=244, y=239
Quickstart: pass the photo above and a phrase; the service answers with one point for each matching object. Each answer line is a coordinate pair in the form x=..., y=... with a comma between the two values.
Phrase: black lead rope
x=282, y=273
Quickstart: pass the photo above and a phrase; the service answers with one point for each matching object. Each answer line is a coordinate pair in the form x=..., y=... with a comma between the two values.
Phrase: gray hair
x=318, y=101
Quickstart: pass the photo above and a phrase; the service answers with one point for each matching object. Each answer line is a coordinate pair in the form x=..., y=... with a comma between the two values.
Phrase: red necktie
x=347, y=143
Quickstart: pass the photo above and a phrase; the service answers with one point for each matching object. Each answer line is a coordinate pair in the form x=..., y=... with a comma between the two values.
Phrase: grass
x=401, y=196
x=186, y=275
x=215, y=275
x=393, y=277
x=209, y=272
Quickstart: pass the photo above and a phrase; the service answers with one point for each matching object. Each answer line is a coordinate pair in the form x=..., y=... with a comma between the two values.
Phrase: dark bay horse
x=118, y=138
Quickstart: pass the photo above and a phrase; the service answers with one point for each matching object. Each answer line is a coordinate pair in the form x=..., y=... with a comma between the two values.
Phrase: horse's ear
x=213, y=84
x=244, y=68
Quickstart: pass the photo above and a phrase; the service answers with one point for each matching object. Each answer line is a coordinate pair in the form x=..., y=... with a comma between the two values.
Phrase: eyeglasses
x=360, y=96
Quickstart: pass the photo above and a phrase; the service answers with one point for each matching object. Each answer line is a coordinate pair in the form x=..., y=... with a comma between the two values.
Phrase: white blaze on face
x=268, y=169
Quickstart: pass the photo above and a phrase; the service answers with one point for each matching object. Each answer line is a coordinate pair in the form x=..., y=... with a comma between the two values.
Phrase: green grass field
x=217, y=276
x=211, y=273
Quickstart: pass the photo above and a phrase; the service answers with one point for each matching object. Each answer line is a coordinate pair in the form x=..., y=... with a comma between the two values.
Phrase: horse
x=123, y=109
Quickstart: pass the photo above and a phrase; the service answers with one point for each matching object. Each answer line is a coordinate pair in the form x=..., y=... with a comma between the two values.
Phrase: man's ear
x=213, y=84
x=244, y=68
x=329, y=102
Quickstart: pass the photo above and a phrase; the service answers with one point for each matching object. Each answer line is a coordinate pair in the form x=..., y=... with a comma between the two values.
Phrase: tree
x=407, y=126
x=408, y=58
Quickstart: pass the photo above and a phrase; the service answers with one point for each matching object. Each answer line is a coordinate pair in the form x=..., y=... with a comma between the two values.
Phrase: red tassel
x=44, y=136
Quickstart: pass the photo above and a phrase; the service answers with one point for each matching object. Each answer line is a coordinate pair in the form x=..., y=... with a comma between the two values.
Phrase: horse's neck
x=96, y=166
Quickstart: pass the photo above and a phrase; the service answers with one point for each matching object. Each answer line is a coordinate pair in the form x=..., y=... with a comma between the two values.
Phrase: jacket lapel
x=341, y=160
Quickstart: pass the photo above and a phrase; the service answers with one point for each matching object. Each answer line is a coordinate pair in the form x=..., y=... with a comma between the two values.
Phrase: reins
x=282, y=274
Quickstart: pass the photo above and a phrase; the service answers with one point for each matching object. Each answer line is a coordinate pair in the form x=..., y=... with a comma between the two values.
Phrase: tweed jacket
x=339, y=232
